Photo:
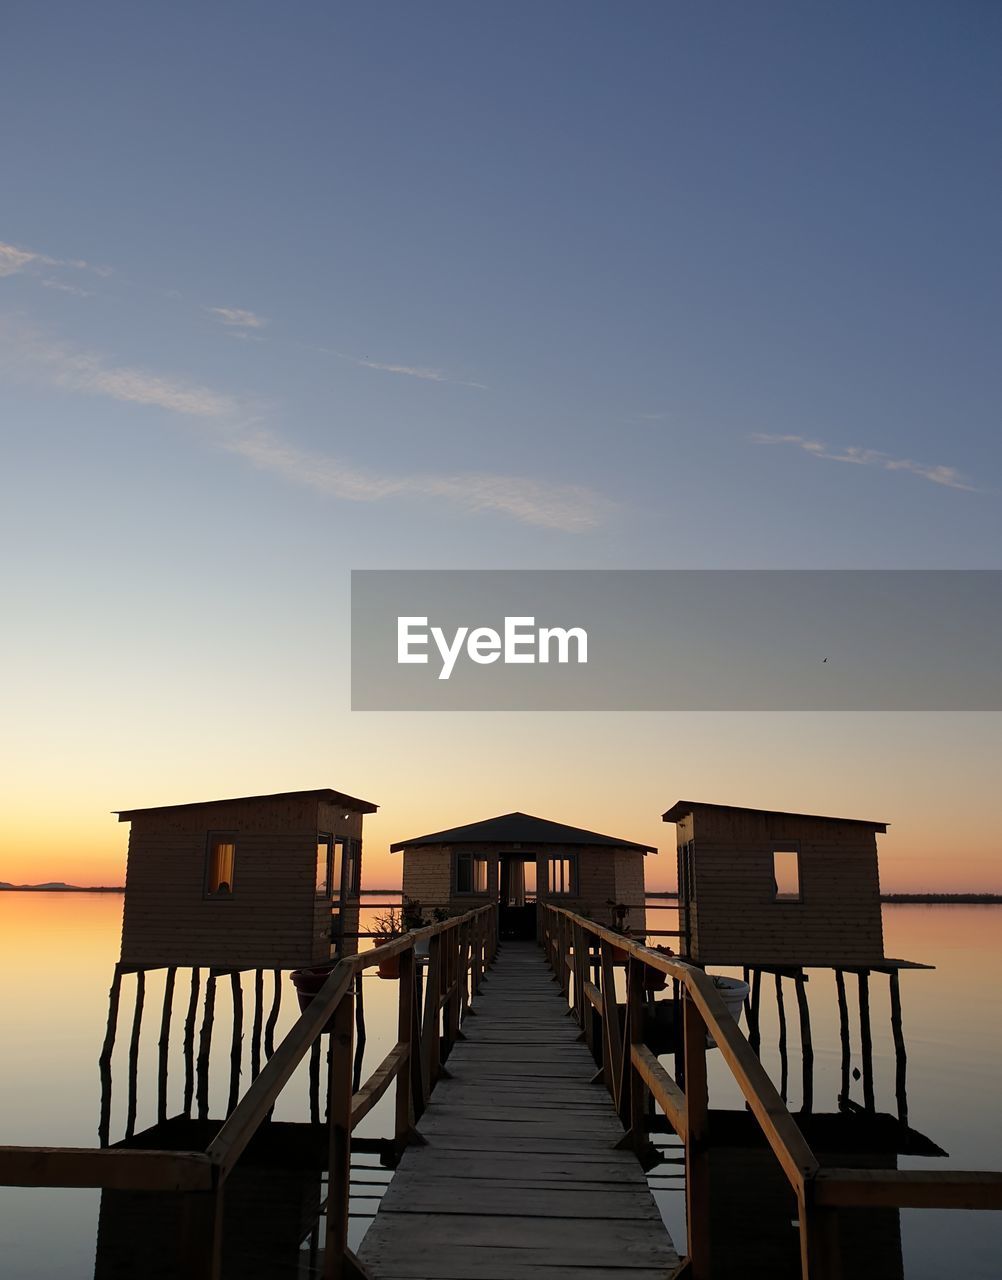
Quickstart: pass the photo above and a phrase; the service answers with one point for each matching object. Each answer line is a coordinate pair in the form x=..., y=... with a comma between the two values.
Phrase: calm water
x=57, y=956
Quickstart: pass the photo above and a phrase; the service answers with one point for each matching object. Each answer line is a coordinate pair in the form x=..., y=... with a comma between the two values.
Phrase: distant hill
x=944, y=899
x=58, y=886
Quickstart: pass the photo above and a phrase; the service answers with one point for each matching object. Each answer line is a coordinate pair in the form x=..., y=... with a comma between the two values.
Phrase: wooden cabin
x=254, y=882
x=518, y=860
x=763, y=887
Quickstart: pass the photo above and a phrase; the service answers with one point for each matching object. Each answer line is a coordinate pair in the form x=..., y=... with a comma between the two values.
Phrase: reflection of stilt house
x=245, y=883
x=519, y=860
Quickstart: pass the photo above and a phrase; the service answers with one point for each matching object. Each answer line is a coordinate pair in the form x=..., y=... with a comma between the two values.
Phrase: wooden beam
x=665, y=1091
x=339, y=1109
x=697, y=1166
x=377, y=1084
x=907, y=1189
x=164, y=1044
x=115, y=1168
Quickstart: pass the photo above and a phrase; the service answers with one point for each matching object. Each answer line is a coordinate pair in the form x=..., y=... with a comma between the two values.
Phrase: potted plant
x=620, y=915
x=413, y=917
x=308, y=982
x=385, y=927
x=654, y=979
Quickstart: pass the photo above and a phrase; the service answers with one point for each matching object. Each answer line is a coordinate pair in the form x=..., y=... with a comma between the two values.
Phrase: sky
x=290, y=291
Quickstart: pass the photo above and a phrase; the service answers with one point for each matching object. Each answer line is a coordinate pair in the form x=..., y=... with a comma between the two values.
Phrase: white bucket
x=733, y=992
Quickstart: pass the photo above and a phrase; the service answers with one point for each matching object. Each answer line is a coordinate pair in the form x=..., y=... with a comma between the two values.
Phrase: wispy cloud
x=237, y=317
x=950, y=477
x=406, y=370
x=570, y=508
x=73, y=370
x=14, y=259
x=235, y=426
x=63, y=287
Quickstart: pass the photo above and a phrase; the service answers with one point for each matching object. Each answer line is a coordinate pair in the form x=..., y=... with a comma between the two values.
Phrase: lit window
x=786, y=875
x=560, y=875
x=222, y=855
x=324, y=850
x=471, y=873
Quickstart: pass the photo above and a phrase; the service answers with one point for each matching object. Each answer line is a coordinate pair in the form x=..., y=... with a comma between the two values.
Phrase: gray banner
x=663, y=640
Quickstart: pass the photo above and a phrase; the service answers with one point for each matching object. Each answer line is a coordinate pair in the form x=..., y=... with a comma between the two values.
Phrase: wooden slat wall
x=734, y=916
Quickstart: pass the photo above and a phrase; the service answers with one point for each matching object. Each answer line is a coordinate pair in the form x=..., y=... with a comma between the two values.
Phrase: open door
x=517, y=896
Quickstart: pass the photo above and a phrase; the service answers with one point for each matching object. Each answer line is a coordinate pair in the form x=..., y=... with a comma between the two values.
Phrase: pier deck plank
x=520, y=1176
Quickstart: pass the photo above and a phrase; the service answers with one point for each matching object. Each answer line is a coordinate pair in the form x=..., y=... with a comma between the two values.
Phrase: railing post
x=200, y=1244
x=697, y=1179
x=612, y=1040
x=820, y=1250
x=405, y=1035
x=431, y=1045
x=580, y=1003
x=452, y=985
x=339, y=1111
x=633, y=1107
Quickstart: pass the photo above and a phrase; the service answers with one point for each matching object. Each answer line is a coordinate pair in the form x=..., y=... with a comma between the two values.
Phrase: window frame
x=212, y=839
x=474, y=857
x=571, y=891
x=326, y=838
x=787, y=847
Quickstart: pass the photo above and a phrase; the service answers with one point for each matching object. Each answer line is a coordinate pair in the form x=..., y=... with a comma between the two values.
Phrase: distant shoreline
x=916, y=899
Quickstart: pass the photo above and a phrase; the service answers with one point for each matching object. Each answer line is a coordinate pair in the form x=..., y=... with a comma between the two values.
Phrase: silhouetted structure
x=757, y=886
x=517, y=860
x=259, y=881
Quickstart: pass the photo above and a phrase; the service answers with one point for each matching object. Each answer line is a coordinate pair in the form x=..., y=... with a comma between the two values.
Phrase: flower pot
x=389, y=968
x=422, y=948
x=654, y=980
x=308, y=982
x=733, y=992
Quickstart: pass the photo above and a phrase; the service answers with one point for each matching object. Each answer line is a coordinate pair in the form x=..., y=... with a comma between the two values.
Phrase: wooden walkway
x=520, y=1176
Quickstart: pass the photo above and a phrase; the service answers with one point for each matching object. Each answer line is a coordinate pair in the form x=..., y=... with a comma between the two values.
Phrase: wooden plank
x=116, y=1168
x=492, y=1199
x=907, y=1188
x=377, y=1084
x=665, y=1091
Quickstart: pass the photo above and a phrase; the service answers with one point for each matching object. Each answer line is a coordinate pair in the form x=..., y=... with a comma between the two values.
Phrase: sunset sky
x=290, y=291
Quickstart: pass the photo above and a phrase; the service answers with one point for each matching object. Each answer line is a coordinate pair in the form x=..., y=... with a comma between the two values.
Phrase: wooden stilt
x=900, y=1056
x=104, y=1062
x=189, y=1042
x=236, y=1043
x=272, y=1023
x=806, y=1045
x=843, y=1031
x=754, y=1035
x=866, y=1039
x=204, y=1047
x=784, y=1060
x=137, y=1022
x=257, y=1027
x=164, y=1045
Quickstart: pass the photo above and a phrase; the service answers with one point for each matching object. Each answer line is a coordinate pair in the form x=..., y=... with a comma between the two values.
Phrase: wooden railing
x=578, y=950
x=429, y=1016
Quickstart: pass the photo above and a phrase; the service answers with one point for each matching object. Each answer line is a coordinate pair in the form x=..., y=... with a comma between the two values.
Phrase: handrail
x=629, y=1067
x=460, y=949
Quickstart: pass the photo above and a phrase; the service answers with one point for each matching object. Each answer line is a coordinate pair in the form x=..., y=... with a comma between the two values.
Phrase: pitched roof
x=523, y=829
x=320, y=793
x=681, y=808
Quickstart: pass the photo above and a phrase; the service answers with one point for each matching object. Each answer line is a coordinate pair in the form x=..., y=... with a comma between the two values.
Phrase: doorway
x=517, y=896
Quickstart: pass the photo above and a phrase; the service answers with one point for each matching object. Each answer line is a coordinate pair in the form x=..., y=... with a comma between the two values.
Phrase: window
x=786, y=875
x=324, y=852
x=471, y=873
x=337, y=867
x=560, y=875
x=219, y=871
x=352, y=854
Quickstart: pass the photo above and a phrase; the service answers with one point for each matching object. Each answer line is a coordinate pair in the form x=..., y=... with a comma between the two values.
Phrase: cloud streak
x=234, y=426
x=14, y=259
x=855, y=455
x=405, y=370
x=237, y=317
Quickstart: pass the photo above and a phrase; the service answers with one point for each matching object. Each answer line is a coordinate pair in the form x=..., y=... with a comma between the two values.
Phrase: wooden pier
x=520, y=1174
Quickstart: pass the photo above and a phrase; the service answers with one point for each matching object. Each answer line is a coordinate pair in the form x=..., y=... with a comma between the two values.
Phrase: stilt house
x=259, y=881
x=518, y=860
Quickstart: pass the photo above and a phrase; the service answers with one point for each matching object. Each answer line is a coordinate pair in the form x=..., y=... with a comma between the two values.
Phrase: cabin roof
x=523, y=829
x=681, y=808
x=320, y=793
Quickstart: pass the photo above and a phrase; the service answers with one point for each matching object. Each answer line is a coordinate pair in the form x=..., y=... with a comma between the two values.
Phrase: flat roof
x=681, y=808
x=320, y=793
x=522, y=829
